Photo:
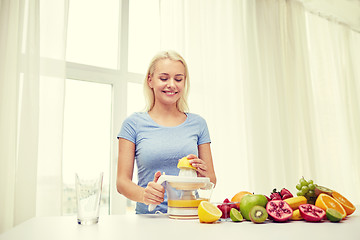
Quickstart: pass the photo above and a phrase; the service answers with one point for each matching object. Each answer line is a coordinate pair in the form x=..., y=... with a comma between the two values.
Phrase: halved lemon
x=184, y=163
x=208, y=212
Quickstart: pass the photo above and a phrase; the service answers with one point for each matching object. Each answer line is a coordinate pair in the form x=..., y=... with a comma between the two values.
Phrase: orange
x=325, y=201
x=347, y=205
x=237, y=197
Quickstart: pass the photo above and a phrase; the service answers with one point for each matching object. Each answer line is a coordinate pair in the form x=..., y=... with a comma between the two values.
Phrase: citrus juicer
x=185, y=191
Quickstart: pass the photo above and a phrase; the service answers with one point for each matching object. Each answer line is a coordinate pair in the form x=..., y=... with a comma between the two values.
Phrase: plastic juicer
x=185, y=192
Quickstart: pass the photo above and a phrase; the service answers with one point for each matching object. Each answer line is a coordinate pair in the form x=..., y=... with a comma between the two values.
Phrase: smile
x=169, y=93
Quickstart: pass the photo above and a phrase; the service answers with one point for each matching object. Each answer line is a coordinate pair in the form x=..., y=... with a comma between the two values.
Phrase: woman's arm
x=152, y=194
x=204, y=163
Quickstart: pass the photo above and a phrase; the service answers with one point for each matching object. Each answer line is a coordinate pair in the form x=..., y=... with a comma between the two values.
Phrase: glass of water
x=88, y=196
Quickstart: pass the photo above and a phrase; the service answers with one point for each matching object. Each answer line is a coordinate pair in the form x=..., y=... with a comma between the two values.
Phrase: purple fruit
x=279, y=210
x=311, y=213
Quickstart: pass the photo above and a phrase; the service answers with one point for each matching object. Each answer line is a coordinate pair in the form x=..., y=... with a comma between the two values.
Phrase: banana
x=295, y=202
x=296, y=215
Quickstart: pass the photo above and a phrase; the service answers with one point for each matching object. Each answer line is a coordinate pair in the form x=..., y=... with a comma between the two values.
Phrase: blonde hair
x=181, y=104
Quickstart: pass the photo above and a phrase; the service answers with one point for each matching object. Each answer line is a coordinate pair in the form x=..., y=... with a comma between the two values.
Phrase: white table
x=158, y=227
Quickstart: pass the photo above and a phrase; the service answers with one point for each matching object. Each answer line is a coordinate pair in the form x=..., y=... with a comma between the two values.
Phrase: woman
x=162, y=135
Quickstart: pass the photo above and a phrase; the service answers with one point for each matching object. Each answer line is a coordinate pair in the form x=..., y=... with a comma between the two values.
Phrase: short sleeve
x=128, y=129
x=204, y=136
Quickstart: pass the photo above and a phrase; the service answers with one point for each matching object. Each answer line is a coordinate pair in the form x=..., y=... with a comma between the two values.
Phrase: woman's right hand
x=154, y=192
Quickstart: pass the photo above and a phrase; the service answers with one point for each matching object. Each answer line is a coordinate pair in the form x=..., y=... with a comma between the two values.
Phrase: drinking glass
x=88, y=196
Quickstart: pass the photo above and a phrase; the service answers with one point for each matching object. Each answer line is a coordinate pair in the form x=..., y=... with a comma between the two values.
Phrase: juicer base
x=184, y=217
x=183, y=213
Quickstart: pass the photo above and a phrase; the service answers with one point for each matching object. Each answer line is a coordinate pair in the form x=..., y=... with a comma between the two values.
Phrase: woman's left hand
x=199, y=164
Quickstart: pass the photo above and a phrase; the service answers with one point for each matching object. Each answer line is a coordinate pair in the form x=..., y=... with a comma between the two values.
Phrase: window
x=135, y=100
x=92, y=34
x=144, y=33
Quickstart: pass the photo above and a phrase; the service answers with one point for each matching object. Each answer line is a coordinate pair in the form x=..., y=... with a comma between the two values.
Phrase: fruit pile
x=313, y=203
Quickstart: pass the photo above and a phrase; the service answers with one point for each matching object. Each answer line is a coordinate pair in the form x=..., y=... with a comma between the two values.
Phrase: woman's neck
x=167, y=116
x=165, y=110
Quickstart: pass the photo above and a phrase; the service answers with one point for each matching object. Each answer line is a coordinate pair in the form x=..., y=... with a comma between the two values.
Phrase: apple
x=249, y=201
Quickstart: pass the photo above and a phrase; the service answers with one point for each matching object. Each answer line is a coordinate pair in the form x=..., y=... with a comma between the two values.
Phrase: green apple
x=250, y=200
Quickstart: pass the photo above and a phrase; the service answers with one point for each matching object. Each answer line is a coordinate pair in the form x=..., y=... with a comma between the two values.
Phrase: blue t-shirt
x=158, y=148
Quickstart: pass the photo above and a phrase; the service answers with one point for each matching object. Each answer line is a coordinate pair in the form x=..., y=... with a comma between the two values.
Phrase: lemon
x=184, y=163
x=208, y=212
x=235, y=215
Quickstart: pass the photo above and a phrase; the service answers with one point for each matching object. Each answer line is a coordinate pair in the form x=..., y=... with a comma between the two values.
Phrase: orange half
x=324, y=202
x=347, y=205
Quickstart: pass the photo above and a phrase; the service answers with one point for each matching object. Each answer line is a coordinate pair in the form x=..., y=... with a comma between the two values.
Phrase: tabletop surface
x=161, y=227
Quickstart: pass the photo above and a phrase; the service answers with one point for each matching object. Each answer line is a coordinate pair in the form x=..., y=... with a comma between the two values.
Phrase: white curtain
x=279, y=89
x=19, y=106
x=27, y=45
x=53, y=30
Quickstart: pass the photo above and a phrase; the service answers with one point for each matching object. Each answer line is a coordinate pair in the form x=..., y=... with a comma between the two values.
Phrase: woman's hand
x=200, y=165
x=154, y=192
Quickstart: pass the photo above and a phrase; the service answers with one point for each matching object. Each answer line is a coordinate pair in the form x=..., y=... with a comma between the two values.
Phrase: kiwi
x=258, y=214
x=321, y=189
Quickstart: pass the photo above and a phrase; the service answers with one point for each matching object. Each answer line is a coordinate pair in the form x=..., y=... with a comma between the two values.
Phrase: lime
x=208, y=212
x=235, y=215
x=333, y=215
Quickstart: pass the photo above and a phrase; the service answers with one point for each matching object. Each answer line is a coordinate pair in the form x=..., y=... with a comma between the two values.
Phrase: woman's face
x=167, y=81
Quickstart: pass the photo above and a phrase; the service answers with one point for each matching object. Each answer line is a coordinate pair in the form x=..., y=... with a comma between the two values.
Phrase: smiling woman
x=158, y=138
